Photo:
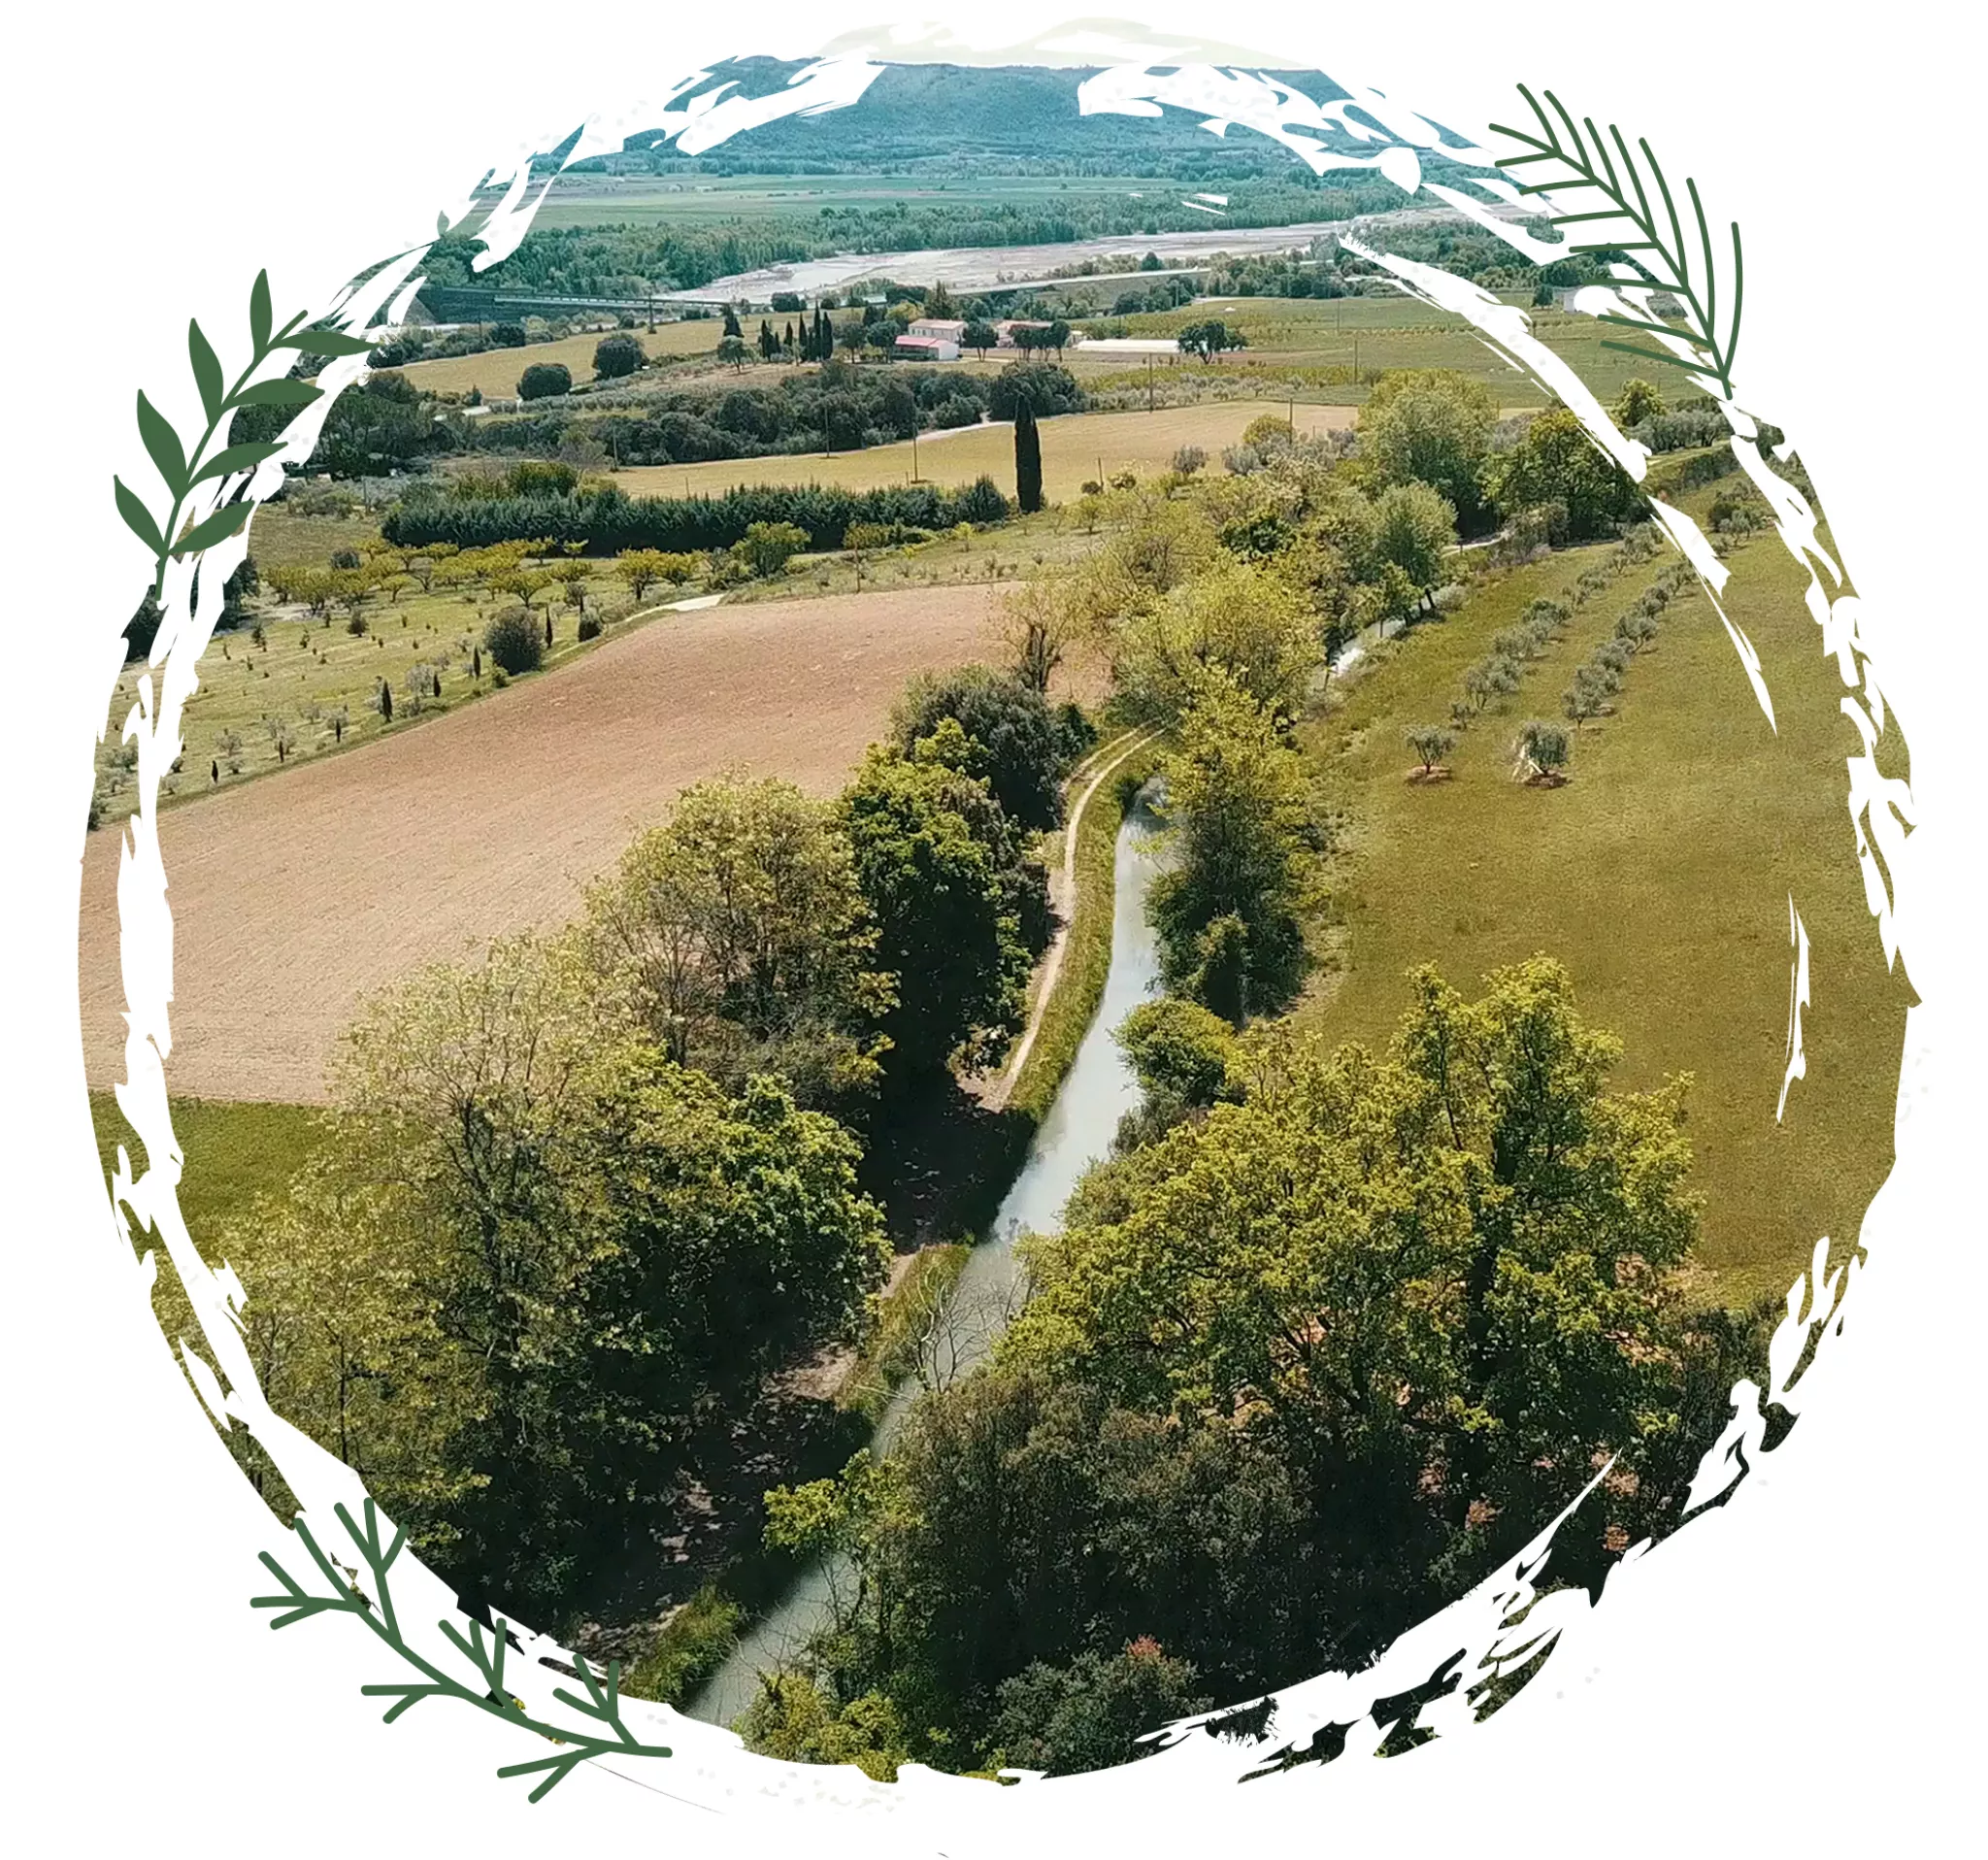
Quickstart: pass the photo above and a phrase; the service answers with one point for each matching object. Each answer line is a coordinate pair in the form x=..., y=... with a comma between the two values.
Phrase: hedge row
x=605, y=522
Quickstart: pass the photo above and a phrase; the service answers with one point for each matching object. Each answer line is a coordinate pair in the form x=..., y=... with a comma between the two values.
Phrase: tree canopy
x=539, y=1258
x=952, y=897
x=738, y=932
x=1297, y=1371
x=1026, y=745
x=1556, y=461
x=1226, y=907
x=1431, y=426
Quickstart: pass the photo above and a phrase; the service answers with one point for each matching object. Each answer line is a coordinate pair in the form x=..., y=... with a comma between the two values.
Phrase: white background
x=1802, y=1669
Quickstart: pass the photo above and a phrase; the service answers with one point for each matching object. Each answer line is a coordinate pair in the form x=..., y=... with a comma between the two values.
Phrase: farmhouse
x=938, y=329
x=926, y=348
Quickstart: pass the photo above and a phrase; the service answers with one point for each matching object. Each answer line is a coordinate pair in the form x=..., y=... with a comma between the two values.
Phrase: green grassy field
x=1372, y=334
x=233, y=1153
x=1074, y=445
x=495, y=372
x=1660, y=875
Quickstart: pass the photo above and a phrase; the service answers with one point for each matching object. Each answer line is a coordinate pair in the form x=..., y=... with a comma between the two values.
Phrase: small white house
x=925, y=348
x=941, y=329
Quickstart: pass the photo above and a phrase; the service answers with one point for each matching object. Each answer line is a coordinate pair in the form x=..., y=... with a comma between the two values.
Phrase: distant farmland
x=1073, y=446
x=495, y=372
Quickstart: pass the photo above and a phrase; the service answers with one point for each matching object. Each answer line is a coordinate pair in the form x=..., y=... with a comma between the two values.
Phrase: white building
x=925, y=348
x=940, y=329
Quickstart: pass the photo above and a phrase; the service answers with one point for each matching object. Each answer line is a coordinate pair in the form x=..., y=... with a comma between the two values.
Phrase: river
x=973, y=268
x=1096, y=1092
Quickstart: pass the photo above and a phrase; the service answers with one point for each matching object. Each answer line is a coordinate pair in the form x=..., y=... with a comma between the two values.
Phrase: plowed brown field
x=295, y=896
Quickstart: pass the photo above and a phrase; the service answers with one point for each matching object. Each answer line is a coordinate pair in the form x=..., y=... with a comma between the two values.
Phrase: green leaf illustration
x=238, y=459
x=259, y=314
x=207, y=373
x=279, y=393
x=486, y=1693
x=163, y=443
x=1589, y=161
x=140, y=520
x=223, y=524
x=324, y=341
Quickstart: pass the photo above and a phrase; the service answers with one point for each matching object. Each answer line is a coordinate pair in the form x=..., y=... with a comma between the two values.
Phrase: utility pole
x=914, y=451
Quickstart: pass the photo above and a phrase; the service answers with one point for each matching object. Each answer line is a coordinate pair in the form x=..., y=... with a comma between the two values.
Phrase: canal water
x=1096, y=1092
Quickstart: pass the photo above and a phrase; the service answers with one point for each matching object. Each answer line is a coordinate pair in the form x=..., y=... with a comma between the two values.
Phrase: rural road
x=295, y=896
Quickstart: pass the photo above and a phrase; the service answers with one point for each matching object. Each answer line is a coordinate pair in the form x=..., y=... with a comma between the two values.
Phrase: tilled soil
x=295, y=896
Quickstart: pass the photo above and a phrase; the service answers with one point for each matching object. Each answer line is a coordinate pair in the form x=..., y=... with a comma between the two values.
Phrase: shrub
x=1583, y=698
x=507, y=335
x=1049, y=387
x=514, y=642
x=766, y=548
x=1636, y=628
x=1544, y=747
x=541, y=380
x=1189, y=459
x=589, y=626
x=1270, y=433
x=616, y=357
x=1431, y=743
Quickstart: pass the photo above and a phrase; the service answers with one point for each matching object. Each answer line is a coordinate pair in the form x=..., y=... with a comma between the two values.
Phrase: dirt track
x=295, y=896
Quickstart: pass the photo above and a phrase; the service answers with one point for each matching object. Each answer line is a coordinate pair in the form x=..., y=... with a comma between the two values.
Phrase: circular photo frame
x=1121, y=1103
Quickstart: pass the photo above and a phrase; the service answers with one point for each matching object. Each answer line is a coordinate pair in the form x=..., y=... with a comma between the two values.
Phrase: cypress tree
x=476, y=661
x=732, y=322
x=385, y=702
x=1028, y=457
x=549, y=629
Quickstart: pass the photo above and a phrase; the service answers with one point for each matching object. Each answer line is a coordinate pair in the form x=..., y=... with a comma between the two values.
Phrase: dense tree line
x=608, y=521
x=835, y=408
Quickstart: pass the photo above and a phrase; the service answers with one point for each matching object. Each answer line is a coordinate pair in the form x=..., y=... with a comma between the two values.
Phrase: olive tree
x=1542, y=747
x=1431, y=743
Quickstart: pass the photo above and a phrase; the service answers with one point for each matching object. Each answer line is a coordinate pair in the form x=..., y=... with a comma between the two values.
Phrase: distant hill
x=914, y=116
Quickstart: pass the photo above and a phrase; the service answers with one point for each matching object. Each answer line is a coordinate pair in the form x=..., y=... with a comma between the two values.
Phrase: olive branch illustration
x=1588, y=164
x=186, y=472
x=484, y=1651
